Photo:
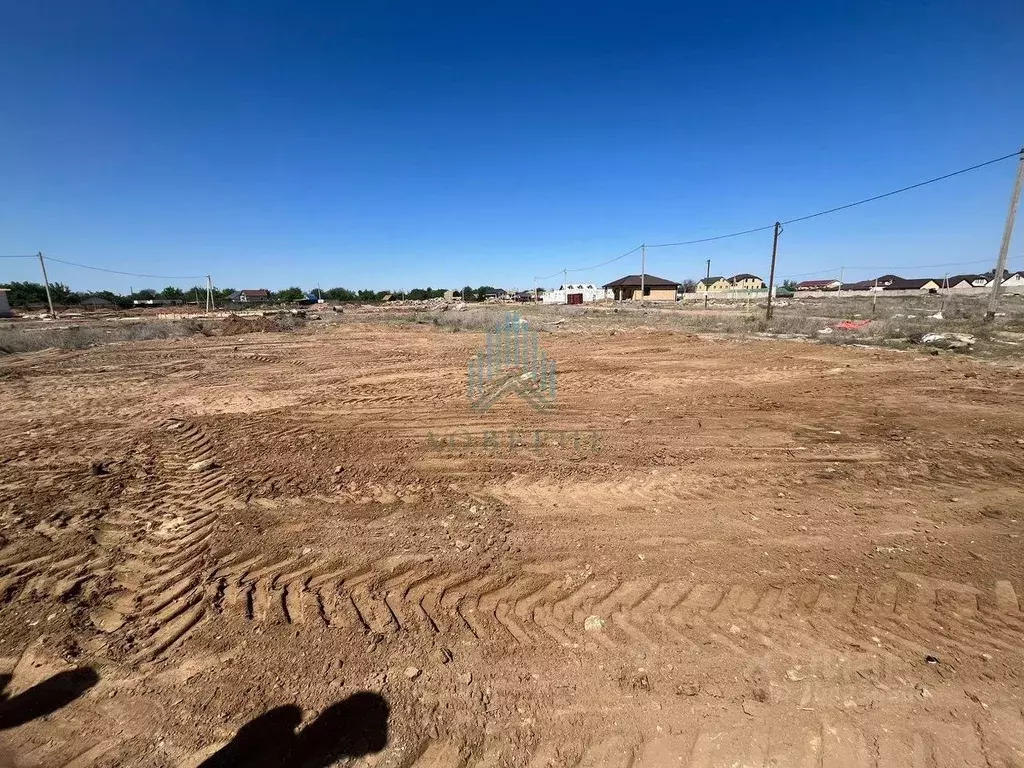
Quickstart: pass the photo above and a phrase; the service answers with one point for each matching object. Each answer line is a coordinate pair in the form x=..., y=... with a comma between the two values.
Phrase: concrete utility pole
x=997, y=278
x=209, y=294
x=874, y=298
x=707, y=279
x=46, y=282
x=842, y=271
x=643, y=270
x=771, y=274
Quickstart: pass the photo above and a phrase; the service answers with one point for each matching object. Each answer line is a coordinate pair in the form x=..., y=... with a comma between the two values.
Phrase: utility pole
x=771, y=274
x=565, y=284
x=707, y=279
x=997, y=277
x=46, y=282
x=841, y=272
x=209, y=294
x=874, y=298
x=643, y=269
x=945, y=292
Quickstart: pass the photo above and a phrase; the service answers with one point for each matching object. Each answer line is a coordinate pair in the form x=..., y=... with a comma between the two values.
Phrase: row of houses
x=957, y=283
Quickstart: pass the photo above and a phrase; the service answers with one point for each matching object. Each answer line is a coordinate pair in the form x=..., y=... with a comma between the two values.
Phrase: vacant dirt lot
x=291, y=548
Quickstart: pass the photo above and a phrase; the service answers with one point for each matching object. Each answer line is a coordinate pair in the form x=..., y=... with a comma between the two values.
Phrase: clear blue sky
x=401, y=144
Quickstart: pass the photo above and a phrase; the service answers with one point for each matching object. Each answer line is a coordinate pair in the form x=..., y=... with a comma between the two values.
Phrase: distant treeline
x=26, y=294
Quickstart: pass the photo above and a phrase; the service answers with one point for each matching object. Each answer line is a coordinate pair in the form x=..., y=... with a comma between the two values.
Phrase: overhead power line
x=129, y=274
x=716, y=237
x=19, y=256
x=842, y=207
x=595, y=266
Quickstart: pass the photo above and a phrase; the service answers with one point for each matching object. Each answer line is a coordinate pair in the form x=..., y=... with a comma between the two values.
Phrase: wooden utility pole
x=771, y=274
x=997, y=278
x=707, y=280
x=643, y=270
x=46, y=282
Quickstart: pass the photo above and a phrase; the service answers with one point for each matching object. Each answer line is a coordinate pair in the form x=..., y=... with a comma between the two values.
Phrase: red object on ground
x=850, y=325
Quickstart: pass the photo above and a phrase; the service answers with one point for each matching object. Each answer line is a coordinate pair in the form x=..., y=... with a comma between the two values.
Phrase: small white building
x=575, y=293
x=5, y=308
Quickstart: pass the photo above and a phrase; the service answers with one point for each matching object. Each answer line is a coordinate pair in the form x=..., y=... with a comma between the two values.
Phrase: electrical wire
x=712, y=239
x=843, y=207
x=129, y=274
x=595, y=266
x=905, y=189
x=19, y=257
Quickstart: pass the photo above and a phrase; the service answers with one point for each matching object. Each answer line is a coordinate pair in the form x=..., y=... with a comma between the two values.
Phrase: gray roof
x=649, y=281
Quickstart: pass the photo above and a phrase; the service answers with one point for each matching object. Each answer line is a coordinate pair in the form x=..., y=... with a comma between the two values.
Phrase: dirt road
x=694, y=552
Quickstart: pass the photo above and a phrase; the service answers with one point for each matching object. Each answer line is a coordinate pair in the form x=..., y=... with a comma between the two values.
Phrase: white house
x=575, y=293
x=5, y=308
x=1016, y=281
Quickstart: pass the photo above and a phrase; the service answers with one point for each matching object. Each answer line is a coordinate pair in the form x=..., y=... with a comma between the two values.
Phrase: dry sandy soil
x=310, y=549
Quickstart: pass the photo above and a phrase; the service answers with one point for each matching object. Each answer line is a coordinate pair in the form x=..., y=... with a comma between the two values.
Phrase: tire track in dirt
x=163, y=592
x=408, y=593
x=799, y=740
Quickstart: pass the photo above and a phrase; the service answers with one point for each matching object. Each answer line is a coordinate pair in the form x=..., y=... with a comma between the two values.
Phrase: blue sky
x=393, y=145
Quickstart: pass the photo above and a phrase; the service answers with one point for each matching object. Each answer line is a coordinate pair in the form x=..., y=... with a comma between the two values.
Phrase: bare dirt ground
x=309, y=549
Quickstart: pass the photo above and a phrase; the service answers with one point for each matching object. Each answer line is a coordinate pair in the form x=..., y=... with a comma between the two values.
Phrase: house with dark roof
x=818, y=285
x=963, y=283
x=1016, y=280
x=258, y=296
x=925, y=284
x=744, y=281
x=715, y=283
x=646, y=288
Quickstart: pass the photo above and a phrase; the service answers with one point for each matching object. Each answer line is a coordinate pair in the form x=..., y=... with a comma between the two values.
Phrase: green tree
x=483, y=290
x=60, y=293
x=789, y=285
x=339, y=294
x=146, y=293
x=21, y=294
x=467, y=293
x=196, y=290
x=294, y=293
x=172, y=293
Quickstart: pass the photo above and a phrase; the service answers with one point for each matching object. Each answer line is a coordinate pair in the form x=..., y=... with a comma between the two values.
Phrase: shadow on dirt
x=44, y=698
x=353, y=727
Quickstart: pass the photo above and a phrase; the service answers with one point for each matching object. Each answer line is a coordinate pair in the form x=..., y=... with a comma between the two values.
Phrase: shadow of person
x=44, y=698
x=263, y=742
x=353, y=727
